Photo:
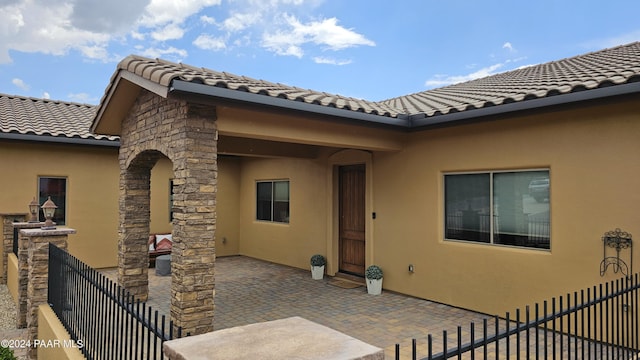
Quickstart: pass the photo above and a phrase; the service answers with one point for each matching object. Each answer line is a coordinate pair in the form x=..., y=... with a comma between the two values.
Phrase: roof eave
x=236, y=96
x=119, y=97
x=421, y=121
x=60, y=139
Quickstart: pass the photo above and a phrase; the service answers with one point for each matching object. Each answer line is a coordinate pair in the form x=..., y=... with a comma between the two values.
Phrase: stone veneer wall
x=186, y=134
x=7, y=239
x=23, y=269
x=37, y=242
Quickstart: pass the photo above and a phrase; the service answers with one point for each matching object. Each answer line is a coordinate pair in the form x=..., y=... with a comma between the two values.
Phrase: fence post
x=7, y=239
x=23, y=267
x=38, y=273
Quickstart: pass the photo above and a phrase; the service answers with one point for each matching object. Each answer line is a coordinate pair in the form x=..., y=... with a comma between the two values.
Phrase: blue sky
x=373, y=49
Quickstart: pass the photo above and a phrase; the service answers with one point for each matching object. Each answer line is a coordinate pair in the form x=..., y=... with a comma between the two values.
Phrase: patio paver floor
x=250, y=290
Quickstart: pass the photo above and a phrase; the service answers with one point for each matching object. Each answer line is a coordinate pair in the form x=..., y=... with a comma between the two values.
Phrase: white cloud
x=137, y=35
x=171, y=52
x=282, y=43
x=237, y=21
x=96, y=52
x=208, y=20
x=57, y=27
x=508, y=46
x=162, y=12
x=330, y=61
x=20, y=84
x=614, y=41
x=45, y=95
x=443, y=80
x=208, y=42
x=93, y=28
x=171, y=31
x=114, y=16
x=325, y=33
x=83, y=98
x=30, y=26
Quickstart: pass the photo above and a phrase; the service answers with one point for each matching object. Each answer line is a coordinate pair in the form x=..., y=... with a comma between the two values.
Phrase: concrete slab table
x=290, y=338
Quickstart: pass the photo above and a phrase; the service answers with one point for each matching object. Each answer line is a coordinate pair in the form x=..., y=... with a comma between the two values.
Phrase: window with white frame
x=272, y=201
x=498, y=207
x=56, y=188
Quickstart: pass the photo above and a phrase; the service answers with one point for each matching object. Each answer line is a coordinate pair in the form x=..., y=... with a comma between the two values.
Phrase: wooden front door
x=352, y=219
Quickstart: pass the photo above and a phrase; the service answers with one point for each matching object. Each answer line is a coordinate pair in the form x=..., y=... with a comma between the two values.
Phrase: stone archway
x=186, y=134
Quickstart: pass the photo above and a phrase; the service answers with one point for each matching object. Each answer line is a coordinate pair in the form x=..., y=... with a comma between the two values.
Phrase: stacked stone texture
x=23, y=270
x=7, y=239
x=37, y=242
x=185, y=133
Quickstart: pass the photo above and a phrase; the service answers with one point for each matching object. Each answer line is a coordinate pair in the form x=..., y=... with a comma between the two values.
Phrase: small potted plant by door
x=373, y=274
x=317, y=266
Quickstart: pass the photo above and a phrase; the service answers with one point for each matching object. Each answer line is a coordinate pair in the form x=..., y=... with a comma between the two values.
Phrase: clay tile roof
x=163, y=72
x=619, y=65
x=614, y=66
x=29, y=116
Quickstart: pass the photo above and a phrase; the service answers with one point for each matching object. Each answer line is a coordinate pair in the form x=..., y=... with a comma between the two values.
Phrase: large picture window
x=56, y=188
x=273, y=201
x=503, y=208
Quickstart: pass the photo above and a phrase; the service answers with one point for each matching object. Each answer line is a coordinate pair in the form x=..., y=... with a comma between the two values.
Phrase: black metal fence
x=601, y=322
x=105, y=320
x=596, y=323
x=15, y=241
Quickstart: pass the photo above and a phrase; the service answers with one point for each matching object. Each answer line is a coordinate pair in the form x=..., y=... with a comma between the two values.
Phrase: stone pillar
x=185, y=133
x=133, y=250
x=7, y=239
x=194, y=203
x=38, y=273
x=23, y=268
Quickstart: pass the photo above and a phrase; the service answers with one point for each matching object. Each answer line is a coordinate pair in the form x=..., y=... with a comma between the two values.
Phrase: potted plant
x=373, y=274
x=317, y=266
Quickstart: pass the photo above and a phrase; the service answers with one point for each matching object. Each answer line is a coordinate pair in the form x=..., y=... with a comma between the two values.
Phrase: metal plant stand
x=618, y=240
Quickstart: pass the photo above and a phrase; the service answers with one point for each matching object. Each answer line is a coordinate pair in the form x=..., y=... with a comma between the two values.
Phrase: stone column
x=194, y=200
x=38, y=273
x=23, y=267
x=186, y=134
x=7, y=239
x=133, y=250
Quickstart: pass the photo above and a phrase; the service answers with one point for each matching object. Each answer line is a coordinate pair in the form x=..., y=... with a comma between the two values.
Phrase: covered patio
x=251, y=291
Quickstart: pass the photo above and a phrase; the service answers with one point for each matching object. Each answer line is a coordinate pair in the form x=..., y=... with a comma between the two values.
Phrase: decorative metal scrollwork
x=618, y=240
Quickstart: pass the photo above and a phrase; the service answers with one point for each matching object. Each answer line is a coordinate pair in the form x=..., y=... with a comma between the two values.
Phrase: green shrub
x=318, y=260
x=6, y=354
x=374, y=272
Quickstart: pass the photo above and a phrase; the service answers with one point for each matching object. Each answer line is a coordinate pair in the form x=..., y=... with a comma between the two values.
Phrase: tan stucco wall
x=92, y=191
x=228, y=207
x=592, y=155
x=54, y=341
x=590, y=151
x=12, y=276
x=313, y=131
x=161, y=174
x=293, y=243
x=227, y=223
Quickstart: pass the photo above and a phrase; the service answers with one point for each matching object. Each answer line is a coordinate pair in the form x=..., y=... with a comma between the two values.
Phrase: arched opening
x=135, y=219
x=186, y=135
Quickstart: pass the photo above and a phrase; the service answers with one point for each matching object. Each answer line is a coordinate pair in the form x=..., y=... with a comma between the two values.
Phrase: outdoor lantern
x=48, y=208
x=33, y=209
